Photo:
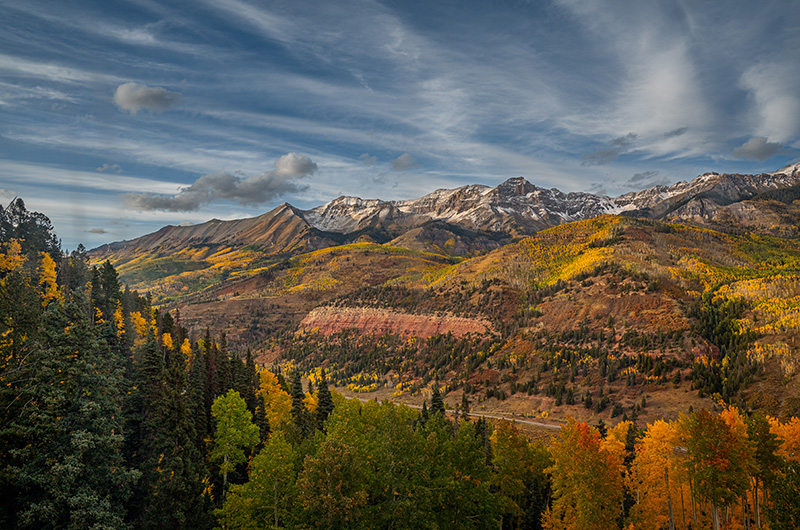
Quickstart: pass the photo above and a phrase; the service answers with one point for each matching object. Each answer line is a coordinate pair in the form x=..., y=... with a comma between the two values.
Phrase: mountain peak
x=516, y=186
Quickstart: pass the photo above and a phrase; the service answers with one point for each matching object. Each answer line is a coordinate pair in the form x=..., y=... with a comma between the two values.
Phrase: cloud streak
x=616, y=147
x=249, y=191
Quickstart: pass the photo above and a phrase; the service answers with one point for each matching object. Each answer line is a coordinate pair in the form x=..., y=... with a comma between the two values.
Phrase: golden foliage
x=278, y=403
x=47, y=279
x=11, y=259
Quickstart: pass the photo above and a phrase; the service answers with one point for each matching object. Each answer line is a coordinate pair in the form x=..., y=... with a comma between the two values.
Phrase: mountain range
x=687, y=294
x=475, y=218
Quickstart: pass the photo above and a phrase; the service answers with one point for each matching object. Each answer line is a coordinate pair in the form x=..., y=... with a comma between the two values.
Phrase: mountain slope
x=464, y=221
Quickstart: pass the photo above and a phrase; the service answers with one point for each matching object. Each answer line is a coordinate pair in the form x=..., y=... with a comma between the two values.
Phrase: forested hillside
x=113, y=415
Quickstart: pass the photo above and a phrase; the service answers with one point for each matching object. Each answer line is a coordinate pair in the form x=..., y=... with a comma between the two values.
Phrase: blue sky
x=117, y=118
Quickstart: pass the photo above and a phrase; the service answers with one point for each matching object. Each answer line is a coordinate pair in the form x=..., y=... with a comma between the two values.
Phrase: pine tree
x=437, y=404
x=422, y=419
x=464, y=406
x=324, y=402
x=260, y=418
x=299, y=412
x=250, y=382
x=69, y=471
x=175, y=467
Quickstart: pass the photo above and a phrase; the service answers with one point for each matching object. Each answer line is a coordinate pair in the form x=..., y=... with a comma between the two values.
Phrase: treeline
x=106, y=405
x=371, y=466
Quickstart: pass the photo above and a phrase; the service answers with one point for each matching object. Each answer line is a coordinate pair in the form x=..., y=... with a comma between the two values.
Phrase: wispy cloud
x=616, y=147
x=776, y=92
x=116, y=168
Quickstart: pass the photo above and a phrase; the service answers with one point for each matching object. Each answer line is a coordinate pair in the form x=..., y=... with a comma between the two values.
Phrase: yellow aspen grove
x=12, y=259
x=186, y=350
x=311, y=402
x=587, y=481
x=141, y=326
x=657, y=479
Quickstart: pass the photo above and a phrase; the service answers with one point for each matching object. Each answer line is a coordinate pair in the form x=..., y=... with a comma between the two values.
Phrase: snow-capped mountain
x=517, y=207
x=474, y=218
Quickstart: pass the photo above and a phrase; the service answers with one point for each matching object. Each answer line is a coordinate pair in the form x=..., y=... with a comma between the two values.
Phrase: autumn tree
x=331, y=487
x=718, y=460
x=519, y=475
x=235, y=433
x=587, y=481
x=268, y=497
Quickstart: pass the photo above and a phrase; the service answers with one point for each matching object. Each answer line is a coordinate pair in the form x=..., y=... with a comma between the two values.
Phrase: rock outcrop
x=374, y=321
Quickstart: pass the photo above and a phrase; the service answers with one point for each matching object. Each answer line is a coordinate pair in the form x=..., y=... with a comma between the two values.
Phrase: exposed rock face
x=368, y=320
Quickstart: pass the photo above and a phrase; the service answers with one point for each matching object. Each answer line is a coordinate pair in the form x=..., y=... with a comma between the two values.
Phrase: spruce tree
x=70, y=470
x=324, y=402
x=299, y=412
x=175, y=467
x=437, y=404
x=260, y=418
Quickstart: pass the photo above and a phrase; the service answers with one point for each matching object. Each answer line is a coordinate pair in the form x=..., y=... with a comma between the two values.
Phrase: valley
x=537, y=303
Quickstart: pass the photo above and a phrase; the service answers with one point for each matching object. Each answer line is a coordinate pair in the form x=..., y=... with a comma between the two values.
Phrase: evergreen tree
x=299, y=412
x=69, y=470
x=324, y=402
x=198, y=398
x=464, y=406
x=175, y=467
x=260, y=418
x=250, y=385
x=437, y=404
x=422, y=419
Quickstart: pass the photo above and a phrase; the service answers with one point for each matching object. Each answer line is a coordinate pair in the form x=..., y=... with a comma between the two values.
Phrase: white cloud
x=403, y=162
x=775, y=89
x=758, y=148
x=134, y=97
x=47, y=176
x=6, y=195
x=249, y=191
x=368, y=160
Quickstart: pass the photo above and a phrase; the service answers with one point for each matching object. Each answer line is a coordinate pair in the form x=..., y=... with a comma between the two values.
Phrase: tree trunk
x=755, y=504
x=669, y=500
x=275, y=500
x=744, y=512
x=683, y=509
x=225, y=479
x=715, y=516
x=694, y=505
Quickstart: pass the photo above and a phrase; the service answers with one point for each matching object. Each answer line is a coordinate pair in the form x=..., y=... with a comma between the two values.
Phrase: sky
x=117, y=118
